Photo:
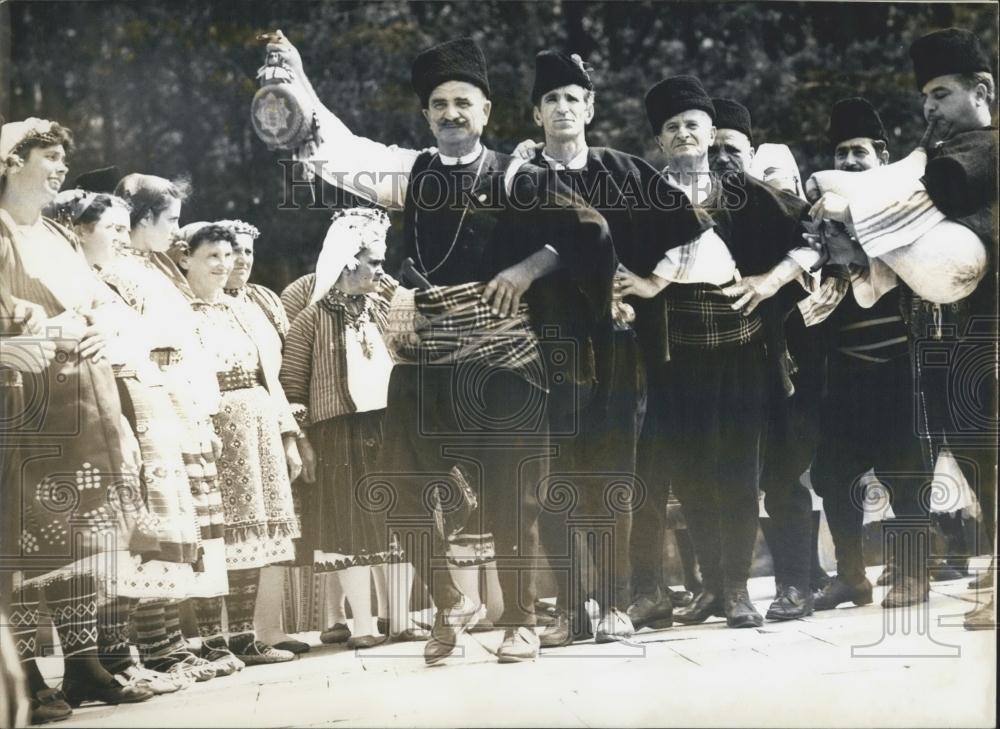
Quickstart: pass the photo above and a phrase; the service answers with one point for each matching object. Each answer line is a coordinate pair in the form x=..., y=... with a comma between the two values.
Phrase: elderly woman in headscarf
x=336, y=373
x=77, y=503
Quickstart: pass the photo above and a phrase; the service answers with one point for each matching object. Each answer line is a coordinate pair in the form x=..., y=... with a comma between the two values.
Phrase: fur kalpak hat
x=455, y=60
x=554, y=70
x=672, y=96
x=100, y=180
x=943, y=52
x=854, y=117
x=731, y=114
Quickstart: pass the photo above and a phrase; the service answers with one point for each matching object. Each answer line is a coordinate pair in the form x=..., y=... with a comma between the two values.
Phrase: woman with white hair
x=336, y=374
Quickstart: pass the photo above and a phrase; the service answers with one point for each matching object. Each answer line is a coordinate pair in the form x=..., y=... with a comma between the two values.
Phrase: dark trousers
x=596, y=438
x=719, y=398
x=654, y=469
x=954, y=366
x=490, y=424
x=867, y=422
x=790, y=442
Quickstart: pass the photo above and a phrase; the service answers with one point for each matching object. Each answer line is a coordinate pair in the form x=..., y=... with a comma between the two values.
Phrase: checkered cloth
x=455, y=326
x=700, y=315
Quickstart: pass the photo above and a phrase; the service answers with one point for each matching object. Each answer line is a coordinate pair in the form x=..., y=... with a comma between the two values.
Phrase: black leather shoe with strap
x=740, y=612
x=791, y=604
x=706, y=604
x=837, y=592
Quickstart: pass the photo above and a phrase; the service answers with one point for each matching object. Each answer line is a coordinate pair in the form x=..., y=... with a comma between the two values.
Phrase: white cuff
x=806, y=259
x=873, y=283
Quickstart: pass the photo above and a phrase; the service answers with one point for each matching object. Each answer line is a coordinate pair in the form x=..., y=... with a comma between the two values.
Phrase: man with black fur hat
x=719, y=292
x=790, y=435
x=646, y=216
x=867, y=416
x=732, y=150
x=898, y=225
x=958, y=90
x=476, y=223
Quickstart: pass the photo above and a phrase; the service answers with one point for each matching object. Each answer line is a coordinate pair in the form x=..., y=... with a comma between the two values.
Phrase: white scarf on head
x=346, y=237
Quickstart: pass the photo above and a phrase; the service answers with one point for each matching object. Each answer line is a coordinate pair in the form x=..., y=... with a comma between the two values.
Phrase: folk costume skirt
x=342, y=522
x=256, y=494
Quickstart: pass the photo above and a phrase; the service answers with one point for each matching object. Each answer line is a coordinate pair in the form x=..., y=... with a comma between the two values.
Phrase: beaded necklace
x=358, y=313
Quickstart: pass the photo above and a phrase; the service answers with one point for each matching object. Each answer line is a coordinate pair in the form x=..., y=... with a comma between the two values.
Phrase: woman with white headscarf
x=335, y=372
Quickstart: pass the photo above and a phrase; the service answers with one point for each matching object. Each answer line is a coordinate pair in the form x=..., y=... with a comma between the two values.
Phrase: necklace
x=454, y=240
x=357, y=315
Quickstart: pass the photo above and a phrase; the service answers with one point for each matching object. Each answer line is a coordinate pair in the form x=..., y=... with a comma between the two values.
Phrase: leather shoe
x=410, y=635
x=560, y=632
x=705, y=605
x=365, y=641
x=116, y=692
x=838, y=591
x=818, y=580
x=519, y=644
x=292, y=646
x=646, y=610
x=450, y=623
x=49, y=705
x=904, y=592
x=984, y=617
x=545, y=613
x=790, y=604
x=945, y=574
x=613, y=626
x=984, y=581
x=740, y=612
x=679, y=598
x=336, y=633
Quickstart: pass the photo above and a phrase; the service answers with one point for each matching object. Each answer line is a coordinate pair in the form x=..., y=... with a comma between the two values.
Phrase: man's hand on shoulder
x=527, y=149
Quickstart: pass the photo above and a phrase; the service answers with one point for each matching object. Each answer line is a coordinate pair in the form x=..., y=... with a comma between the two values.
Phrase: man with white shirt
x=646, y=217
x=475, y=222
x=718, y=293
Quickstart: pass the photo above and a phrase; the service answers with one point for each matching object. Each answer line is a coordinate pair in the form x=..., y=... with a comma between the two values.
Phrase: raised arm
x=361, y=166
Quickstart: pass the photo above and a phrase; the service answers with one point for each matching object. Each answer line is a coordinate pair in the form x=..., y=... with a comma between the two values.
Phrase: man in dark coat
x=719, y=294
x=956, y=83
x=471, y=413
x=952, y=346
x=790, y=435
x=602, y=422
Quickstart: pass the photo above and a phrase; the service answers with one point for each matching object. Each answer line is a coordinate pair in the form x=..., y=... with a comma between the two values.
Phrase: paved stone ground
x=851, y=666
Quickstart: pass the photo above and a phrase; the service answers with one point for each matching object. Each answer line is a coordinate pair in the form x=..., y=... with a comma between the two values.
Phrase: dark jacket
x=460, y=228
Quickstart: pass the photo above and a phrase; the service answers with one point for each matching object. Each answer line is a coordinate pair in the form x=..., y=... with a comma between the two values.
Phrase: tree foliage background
x=165, y=87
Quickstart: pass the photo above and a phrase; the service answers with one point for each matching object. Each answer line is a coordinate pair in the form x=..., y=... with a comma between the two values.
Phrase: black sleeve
x=666, y=213
x=962, y=177
x=578, y=233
